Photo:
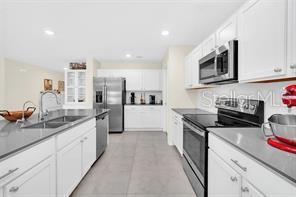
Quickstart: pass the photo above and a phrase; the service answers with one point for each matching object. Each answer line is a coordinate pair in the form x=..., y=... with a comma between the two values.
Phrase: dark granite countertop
x=183, y=111
x=14, y=139
x=252, y=142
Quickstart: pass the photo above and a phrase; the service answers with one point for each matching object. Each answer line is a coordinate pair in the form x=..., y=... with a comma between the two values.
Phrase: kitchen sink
x=54, y=123
x=45, y=125
x=66, y=119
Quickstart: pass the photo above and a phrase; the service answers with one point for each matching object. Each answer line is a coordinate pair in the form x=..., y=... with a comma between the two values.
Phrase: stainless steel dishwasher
x=102, y=127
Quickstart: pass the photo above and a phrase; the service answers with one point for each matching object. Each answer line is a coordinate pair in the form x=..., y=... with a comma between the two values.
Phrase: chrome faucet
x=23, y=112
x=41, y=112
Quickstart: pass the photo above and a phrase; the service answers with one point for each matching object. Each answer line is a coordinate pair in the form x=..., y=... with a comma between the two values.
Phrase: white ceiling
x=106, y=30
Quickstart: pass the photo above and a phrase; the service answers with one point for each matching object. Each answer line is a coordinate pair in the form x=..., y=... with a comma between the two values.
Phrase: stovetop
x=216, y=120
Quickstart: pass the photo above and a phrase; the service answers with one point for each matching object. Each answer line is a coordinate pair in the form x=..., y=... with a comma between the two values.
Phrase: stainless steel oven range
x=231, y=113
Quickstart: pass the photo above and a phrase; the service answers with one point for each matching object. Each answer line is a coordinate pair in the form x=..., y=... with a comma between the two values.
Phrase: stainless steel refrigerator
x=109, y=93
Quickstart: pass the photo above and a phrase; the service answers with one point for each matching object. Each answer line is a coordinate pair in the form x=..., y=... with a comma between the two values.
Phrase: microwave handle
x=216, y=65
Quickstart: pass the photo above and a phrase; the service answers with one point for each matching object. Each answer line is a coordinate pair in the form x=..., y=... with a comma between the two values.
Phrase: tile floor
x=136, y=164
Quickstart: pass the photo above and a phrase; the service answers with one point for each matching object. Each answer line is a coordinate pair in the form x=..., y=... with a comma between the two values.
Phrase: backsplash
x=269, y=92
x=158, y=96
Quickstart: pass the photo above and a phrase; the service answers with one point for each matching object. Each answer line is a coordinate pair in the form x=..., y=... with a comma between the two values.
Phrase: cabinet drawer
x=251, y=169
x=73, y=133
x=18, y=164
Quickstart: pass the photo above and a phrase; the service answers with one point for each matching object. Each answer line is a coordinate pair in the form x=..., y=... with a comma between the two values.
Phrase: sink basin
x=45, y=125
x=66, y=119
x=54, y=123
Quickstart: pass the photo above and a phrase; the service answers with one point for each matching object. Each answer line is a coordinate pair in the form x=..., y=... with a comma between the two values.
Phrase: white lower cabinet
x=223, y=180
x=248, y=190
x=38, y=181
x=74, y=160
x=232, y=173
x=142, y=117
x=177, y=131
x=51, y=168
x=88, y=150
x=69, y=166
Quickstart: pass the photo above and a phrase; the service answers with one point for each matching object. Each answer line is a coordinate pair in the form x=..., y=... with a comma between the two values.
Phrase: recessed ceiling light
x=128, y=55
x=165, y=33
x=49, y=32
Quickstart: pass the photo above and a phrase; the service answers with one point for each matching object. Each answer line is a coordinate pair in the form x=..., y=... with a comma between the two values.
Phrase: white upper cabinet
x=192, y=68
x=209, y=45
x=292, y=38
x=151, y=79
x=223, y=180
x=136, y=79
x=187, y=72
x=133, y=79
x=196, y=56
x=75, y=90
x=227, y=32
x=262, y=39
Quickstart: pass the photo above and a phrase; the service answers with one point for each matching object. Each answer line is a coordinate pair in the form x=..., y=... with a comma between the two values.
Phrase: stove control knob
x=246, y=106
x=252, y=107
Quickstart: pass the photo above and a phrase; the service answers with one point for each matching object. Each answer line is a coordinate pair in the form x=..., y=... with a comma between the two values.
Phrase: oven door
x=195, y=147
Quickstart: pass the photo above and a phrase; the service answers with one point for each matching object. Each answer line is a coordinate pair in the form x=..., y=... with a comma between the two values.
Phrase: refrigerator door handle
x=105, y=99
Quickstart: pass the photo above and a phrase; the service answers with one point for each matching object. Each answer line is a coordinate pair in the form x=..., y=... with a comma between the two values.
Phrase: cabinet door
x=227, y=32
x=70, y=86
x=81, y=86
x=133, y=80
x=151, y=80
x=88, y=150
x=187, y=72
x=248, y=190
x=209, y=45
x=292, y=38
x=222, y=179
x=103, y=73
x=262, y=42
x=179, y=134
x=38, y=181
x=196, y=56
x=132, y=118
x=151, y=118
x=69, y=167
x=174, y=129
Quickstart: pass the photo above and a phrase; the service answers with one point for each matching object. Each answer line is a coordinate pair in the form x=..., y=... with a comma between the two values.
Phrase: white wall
x=24, y=82
x=177, y=96
x=92, y=66
x=269, y=92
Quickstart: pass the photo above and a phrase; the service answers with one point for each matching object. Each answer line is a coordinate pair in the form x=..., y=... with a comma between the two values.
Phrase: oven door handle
x=197, y=131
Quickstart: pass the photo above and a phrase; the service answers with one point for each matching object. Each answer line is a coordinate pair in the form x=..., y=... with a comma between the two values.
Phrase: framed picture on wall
x=47, y=84
x=61, y=86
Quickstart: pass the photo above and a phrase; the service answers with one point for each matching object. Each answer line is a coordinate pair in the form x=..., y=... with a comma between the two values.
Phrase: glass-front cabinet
x=75, y=86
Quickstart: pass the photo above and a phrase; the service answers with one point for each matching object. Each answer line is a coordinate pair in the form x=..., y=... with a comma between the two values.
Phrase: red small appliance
x=283, y=126
x=289, y=97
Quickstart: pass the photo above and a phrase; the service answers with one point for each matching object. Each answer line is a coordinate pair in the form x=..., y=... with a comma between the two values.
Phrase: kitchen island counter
x=14, y=139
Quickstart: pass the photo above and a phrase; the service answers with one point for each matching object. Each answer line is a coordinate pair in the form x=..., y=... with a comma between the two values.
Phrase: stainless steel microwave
x=221, y=65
